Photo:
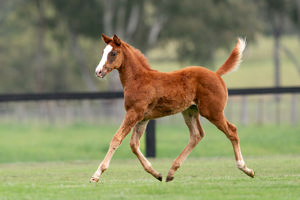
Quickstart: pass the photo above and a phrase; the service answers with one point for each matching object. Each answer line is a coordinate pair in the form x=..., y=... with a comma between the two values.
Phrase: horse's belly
x=165, y=107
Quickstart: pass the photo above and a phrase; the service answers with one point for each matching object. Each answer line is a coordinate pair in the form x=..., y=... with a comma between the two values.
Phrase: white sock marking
x=240, y=163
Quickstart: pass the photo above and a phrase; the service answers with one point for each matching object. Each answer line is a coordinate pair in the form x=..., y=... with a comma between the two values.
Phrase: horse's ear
x=106, y=39
x=117, y=40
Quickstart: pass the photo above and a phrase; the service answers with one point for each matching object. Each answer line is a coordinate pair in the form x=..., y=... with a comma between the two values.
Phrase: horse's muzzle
x=100, y=74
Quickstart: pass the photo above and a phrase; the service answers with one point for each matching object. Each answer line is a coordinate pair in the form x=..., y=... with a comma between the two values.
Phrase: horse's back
x=193, y=79
x=187, y=86
x=204, y=79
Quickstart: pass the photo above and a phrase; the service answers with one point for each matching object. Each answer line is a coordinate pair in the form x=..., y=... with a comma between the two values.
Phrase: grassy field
x=277, y=177
x=26, y=143
x=56, y=162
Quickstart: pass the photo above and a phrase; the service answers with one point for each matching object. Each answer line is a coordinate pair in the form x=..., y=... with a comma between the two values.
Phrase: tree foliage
x=55, y=45
x=83, y=17
x=283, y=18
x=202, y=26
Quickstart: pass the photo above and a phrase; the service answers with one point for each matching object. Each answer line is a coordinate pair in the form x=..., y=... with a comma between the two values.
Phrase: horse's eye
x=113, y=53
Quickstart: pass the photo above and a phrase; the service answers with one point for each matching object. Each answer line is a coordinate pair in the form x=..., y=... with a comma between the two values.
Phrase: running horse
x=150, y=94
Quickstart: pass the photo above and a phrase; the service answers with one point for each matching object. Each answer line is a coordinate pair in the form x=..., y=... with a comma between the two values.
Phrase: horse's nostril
x=98, y=72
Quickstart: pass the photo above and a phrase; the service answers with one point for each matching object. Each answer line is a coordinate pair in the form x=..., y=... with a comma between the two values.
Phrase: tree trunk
x=85, y=72
x=156, y=29
x=110, y=8
x=298, y=13
x=121, y=19
x=292, y=57
x=133, y=21
x=276, y=54
x=109, y=12
x=40, y=54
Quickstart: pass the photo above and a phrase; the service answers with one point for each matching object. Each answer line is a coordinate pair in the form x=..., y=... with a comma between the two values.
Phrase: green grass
x=56, y=162
x=26, y=143
x=277, y=177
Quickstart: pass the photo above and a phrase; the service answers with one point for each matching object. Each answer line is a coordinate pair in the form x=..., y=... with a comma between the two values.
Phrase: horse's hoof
x=252, y=174
x=159, y=177
x=168, y=179
x=94, y=180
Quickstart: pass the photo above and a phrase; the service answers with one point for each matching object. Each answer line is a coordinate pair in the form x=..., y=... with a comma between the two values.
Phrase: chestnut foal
x=150, y=94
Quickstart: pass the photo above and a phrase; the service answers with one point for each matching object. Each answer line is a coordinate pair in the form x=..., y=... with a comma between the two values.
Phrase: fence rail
x=150, y=137
x=60, y=96
x=116, y=95
x=258, y=91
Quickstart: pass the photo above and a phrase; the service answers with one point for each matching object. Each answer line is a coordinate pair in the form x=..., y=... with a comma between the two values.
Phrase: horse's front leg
x=131, y=118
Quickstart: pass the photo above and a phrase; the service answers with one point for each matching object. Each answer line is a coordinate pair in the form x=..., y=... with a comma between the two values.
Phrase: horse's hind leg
x=231, y=133
x=191, y=118
x=137, y=133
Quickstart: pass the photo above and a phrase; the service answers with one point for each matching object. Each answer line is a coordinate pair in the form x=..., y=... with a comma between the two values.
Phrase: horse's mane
x=140, y=56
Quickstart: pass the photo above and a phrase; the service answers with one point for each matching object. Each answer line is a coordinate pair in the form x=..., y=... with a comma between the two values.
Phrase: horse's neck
x=133, y=69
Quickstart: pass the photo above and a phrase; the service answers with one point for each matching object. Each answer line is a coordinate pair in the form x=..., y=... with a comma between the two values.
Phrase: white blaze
x=106, y=51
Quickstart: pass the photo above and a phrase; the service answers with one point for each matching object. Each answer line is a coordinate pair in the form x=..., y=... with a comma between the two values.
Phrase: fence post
x=294, y=109
x=260, y=111
x=150, y=140
x=244, y=110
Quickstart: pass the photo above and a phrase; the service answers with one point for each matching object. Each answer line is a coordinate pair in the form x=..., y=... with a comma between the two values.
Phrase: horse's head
x=112, y=56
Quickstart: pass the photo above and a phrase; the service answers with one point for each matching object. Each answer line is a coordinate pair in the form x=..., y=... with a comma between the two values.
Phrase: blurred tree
x=130, y=20
x=49, y=28
x=202, y=26
x=51, y=45
x=298, y=17
x=81, y=19
x=281, y=14
x=137, y=22
x=30, y=60
x=15, y=55
x=40, y=53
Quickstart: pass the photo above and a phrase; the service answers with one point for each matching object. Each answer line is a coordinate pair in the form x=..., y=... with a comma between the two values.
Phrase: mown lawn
x=56, y=162
x=31, y=143
x=277, y=177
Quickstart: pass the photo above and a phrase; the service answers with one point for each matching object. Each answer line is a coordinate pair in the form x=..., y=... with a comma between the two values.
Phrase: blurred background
x=55, y=46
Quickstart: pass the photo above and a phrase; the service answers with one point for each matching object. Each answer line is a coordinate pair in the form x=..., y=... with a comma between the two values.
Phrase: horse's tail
x=234, y=59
